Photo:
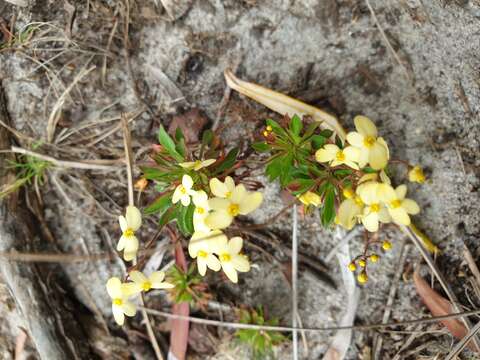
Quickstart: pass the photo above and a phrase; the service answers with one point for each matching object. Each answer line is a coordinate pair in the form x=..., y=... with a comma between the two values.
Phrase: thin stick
x=234, y=325
x=471, y=263
x=64, y=163
x=294, y=280
x=441, y=279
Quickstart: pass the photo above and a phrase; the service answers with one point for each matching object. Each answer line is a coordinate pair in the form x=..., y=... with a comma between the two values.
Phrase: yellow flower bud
x=269, y=128
x=348, y=193
x=362, y=277
x=265, y=133
x=416, y=175
x=374, y=258
x=352, y=267
x=386, y=245
x=362, y=263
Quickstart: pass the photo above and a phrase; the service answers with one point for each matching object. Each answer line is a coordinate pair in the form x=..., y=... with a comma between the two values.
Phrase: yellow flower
x=142, y=283
x=362, y=277
x=200, y=200
x=416, y=175
x=203, y=245
x=335, y=156
x=239, y=202
x=398, y=206
x=231, y=259
x=222, y=190
x=352, y=267
x=197, y=165
x=373, y=149
x=120, y=304
x=349, y=212
x=129, y=223
x=183, y=191
x=386, y=245
x=310, y=198
x=374, y=211
x=374, y=258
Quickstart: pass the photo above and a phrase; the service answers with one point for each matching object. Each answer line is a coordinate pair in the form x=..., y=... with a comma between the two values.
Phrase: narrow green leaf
x=342, y=172
x=318, y=141
x=185, y=219
x=207, y=137
x=159, y=205
x=261, y=146
x=327, y=213
x=228, y=162
x=326, y=133
x=167, y=142
x=168, y=216
x=296, y=125
x=277, y=129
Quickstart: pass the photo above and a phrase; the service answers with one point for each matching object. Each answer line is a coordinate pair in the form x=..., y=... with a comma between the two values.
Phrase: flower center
x=198, y=163
x=348, y=193
x=200, y=210
x=395, y=204
x=228, y=194
x=368, y=141
x=183, y=190
x=202, y=254
x=358, y=201
x=233, y=209
x=117, y=302
x=340, y=156
x=147, y=285
x=375, y=208
x=128, y=233
x=225, y=257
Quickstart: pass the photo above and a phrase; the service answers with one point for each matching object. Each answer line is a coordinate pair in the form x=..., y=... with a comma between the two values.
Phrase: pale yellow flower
x=310, y=198
x=129, y=223
x=335, y=156
x=349, y=212
x=203, y=245
x=232, y=260
x=140, y=282
x=200, y=200
x=239, y=202
x=374, y=211
x=197, y=165
x=120, y=304
x=373, y=149
x=416, y=175
x=222, y=189
x=183, y=191
x=398, y=206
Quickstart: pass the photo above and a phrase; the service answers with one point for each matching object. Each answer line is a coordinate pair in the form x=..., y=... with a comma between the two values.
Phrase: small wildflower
x=203, y=245
x=398, y=206
x=232, y=260
x=230, y=203
x=310, y=198
x=362, y=277
x=120, y=304
x=200, y=200
x=374, y=258
x=335, y=156
x=374, y=211
x=142, y=283
x=349, y=212
x=386, y=245
x=373, y=149
x=183, y=191
x=197, y=165
x=362, y=263
x=352, y=267
x=416, y=175
x=129, y=223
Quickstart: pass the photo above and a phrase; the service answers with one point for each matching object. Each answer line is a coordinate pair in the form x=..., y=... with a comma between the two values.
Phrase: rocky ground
x=411, y=66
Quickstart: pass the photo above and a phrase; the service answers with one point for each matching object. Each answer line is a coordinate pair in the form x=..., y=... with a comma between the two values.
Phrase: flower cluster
x=208, y=244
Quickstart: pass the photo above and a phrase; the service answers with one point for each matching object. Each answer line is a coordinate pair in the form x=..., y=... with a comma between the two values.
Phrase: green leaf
x=286, y=169
x=318, y=141
x=369, y=170
x=228, y=162
x=342, y=172
x=261, y=146
x=296, y=125
x=207, y=137
x=338, y=142
x=327, y=213
x=277, y=129
x=179, y=134
x=168, y=216
x=166, y=141
x=326, y=133
x=159, y=205
x=185, y=219
x=303, y=185
x=310, y=130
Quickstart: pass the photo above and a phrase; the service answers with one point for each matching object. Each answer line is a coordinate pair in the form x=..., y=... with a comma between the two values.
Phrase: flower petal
x=187, y=165
x=118, y=315
x=213, y=262
x=238, y=194
x=370, y=222
x=386, y=193
x=218, y=188
x=241, y=263
x=327, y=153
x=187, y=181
x=229, y=183
x=157, y=277
x=218, y=220
x=235, y=245
x=401, y=191
x=400, y=216
x=200, y=198
x=410, y=206
x=365, y=126
x=114, y=287
x=131, y=288
x=368, y=192
x=378, y=156
x=129, y=256
x=129, y=308
x=123, y=223
x=177, y=194
x=121, y=243
x=133, y=217
x=347, y=213
x=356, y=139
x=185, y=199
x=202, y=266
x=131, y=244
x=218, y=203
x=230, y=271
x=137, y=277
x=250, y=202
x=352, y=153
x=208, y=162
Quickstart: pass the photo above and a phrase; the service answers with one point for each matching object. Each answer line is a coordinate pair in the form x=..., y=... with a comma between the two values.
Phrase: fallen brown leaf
x=191, y=124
